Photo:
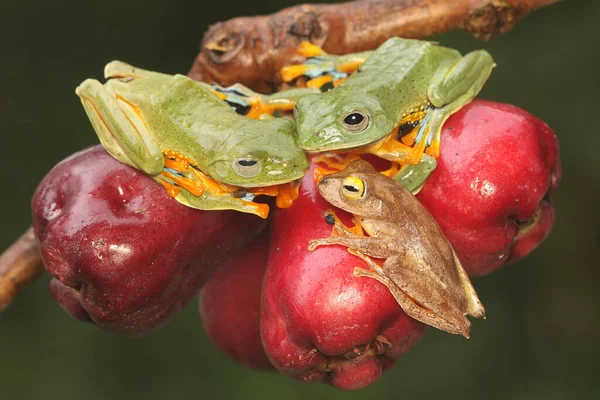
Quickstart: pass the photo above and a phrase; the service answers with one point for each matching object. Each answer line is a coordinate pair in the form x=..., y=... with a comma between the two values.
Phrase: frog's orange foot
x=210, y=184
x=258, y=108
x=308, y=50
x=172, y=189
x=175, y=178
x=292, y=72
x=351, y=66
x=434, y=149
x=321, y=173
x=271, y=191
x=220, y=95
x=392, y=170
x=415, y=154
x=338, y=82
x=262, y=210
x=336, y=162
x=287, y=194
x=339, y=228
x=319, y=82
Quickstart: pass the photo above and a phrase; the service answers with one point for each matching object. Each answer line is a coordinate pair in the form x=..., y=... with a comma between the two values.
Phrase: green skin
x=398, y=77
x=173, y=112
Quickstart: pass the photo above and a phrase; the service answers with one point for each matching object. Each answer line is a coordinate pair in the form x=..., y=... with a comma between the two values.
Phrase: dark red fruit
x=134, y=255
x=318, y=321
x=489, y=192
x=229, y=304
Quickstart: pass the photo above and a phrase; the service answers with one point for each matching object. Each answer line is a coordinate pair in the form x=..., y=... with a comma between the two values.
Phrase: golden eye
x=355, y=121
x=353, y=188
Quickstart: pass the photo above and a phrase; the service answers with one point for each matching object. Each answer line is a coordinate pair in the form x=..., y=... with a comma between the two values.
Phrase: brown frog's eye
x=355, y=121
x=353, y=188
x=246, y=167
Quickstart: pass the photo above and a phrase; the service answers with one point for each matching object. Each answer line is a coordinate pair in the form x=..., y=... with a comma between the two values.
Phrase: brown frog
x=421, y=269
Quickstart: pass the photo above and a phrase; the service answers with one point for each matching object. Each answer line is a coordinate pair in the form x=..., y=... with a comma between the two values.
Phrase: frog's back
x=399, y=72
x=203, y=127
x=423, y=234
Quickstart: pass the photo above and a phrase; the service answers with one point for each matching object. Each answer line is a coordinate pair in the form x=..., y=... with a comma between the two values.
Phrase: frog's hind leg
x=254, y=105
x=410, y=306
x=120, y=128
x=474, y=306
x=453, y=86
x=411, y=176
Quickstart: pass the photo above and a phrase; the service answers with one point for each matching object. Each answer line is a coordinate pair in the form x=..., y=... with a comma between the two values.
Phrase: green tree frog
x=395, y=103
x=421, y=269
x=181, y=133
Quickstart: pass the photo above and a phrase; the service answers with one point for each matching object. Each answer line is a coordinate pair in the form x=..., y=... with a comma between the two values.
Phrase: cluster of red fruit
x=127, y=257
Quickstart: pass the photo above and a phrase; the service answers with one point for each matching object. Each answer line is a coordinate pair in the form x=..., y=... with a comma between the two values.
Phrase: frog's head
x=339, y=120
x=266, y=154
x=357, y=189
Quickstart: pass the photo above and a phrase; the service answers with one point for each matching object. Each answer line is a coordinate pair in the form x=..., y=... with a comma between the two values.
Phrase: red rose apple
x=318, y=321
x=131, y=256
x=489, y=192
x=229, y=304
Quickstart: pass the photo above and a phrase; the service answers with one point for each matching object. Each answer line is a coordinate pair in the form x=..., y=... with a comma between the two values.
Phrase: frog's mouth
x=331, y=140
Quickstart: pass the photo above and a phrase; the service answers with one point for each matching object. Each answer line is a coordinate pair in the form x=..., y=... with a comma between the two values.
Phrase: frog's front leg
x=121, y=130
x=334, y=162
x=339, y=229
x=474, y=306
x=452, y=86
x=411, y=176
x=369, y=245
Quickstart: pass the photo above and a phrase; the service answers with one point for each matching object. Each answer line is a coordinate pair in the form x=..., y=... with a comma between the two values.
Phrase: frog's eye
x=246, y=167
x=353, y=188
x=355, y=121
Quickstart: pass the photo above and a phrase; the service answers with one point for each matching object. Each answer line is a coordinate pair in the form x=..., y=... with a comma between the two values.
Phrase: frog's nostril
x=323, y=182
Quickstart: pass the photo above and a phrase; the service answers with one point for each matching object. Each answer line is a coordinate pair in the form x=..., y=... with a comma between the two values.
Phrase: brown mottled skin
x=420, y=269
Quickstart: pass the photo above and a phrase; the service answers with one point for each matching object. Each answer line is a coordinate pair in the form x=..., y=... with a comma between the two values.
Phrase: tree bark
x=252, y=50
x=19, y=264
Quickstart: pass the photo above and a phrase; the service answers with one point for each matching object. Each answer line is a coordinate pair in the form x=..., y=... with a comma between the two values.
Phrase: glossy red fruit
x=229, y=304
x=318, y=321
x=498, y=165
x=134, y=255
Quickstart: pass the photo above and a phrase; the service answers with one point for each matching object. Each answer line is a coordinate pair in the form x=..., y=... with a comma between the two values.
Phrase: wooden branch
x=252, y=50
x=20, y=264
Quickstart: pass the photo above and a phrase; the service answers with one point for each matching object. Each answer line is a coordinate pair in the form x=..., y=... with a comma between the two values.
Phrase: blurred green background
x=541, y=339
